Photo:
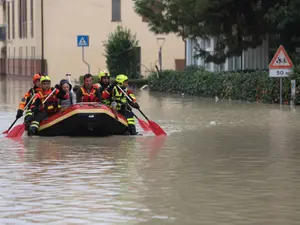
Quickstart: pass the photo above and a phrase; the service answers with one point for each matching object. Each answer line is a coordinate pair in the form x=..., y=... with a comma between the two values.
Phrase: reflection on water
x=222, y=163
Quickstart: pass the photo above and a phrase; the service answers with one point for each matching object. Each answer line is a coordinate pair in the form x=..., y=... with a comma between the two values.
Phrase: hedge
x=251, y=86
x=132, y=82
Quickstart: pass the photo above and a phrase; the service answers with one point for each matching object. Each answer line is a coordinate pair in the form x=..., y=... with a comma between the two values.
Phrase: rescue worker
x=104, y=78
x=88, y=92
x=120, y=102
x=67, y=87
x=42, y=110
x=27, y=97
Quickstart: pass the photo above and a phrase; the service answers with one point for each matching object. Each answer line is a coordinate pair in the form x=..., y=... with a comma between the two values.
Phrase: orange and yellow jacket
x=28, y=95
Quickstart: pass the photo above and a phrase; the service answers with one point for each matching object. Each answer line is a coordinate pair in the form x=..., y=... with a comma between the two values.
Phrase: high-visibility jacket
x=83, y=95
x=28, y=95
x=51, y=106
x=117, y=96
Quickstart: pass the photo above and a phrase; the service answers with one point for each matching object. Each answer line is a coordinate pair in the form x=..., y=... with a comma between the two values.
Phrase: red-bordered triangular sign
x=281, y=60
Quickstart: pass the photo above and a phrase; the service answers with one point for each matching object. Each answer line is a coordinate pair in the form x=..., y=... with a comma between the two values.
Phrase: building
x=256, y=58
x=41, y=35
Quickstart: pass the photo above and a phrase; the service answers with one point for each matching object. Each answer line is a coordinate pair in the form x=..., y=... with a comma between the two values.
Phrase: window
x=20, y=52
x=33, y=52
x=20, y=19
x=23, y=18
x=31, y=19
x=116, y=10
x=13, y=19
x=8, y=20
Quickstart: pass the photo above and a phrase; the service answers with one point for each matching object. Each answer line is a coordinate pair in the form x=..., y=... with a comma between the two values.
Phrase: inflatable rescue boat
x=84, y=119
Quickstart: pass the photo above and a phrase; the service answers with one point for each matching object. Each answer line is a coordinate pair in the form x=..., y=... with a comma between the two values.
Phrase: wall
x=66, y=19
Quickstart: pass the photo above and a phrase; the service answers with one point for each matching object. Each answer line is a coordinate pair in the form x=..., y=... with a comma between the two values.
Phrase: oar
x=156, y=129
x=18, y=130
x=142, y=123
x=5, y=132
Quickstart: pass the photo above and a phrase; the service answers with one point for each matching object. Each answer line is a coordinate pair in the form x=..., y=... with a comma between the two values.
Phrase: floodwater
x=222, y=163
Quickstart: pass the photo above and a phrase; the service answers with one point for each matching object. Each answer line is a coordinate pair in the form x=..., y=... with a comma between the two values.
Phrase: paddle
x=5, y=132
x=156, y=129
x=142, y=123
x=18, y=130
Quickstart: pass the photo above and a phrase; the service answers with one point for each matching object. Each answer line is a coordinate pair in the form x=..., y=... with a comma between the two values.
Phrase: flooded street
x=222, y=163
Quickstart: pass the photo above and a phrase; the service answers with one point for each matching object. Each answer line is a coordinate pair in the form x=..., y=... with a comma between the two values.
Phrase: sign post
x=293, y=91
x=280, y=66
x=83, y=41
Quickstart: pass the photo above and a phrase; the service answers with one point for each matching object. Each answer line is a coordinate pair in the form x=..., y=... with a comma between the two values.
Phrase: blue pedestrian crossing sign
x=82, y=41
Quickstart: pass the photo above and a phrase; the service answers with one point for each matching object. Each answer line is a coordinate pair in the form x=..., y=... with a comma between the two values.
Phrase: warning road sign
x=281, y=60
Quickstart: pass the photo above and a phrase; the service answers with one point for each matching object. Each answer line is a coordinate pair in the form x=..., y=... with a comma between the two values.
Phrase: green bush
x=122, y=53
x=132, y=82
x=251, y=85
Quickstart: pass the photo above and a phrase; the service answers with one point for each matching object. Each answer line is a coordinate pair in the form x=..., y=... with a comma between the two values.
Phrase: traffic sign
x=82, y=40
x=281, y=60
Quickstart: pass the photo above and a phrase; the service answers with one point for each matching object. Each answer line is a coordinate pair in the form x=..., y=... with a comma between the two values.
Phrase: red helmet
x=36, y=77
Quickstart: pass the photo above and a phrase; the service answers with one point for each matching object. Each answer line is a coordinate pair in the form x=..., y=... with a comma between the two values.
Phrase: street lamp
x=160, y=42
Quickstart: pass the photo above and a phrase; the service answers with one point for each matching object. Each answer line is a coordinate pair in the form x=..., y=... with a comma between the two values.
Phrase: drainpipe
x=42, y=37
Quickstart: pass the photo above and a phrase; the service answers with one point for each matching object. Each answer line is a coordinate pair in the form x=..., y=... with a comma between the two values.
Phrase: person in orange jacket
x=42, y=110
x=88, y=92
x=120, y=102
x=27, y=97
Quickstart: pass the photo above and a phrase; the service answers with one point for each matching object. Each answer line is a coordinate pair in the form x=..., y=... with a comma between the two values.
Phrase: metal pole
x=89, y=70
x=280, y=91
x=160, y=59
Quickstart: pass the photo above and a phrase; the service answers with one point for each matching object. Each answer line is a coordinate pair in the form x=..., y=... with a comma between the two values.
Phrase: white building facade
x=256, y=58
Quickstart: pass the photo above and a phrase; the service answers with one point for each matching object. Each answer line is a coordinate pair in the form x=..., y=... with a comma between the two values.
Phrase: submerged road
x=222, y=163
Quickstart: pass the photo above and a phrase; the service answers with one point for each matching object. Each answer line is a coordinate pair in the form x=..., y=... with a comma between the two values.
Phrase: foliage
x=236, y=25
x=252, y=86
x=122, y=56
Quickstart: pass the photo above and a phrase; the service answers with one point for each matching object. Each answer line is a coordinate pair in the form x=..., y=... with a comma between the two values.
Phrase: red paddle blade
x=5, y=132
x=17, y=131
x=144, y=125
x=156, y=129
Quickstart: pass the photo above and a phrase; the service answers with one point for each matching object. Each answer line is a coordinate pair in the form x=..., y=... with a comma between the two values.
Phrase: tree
x=284, y=19
x=121, y=52
x=236, y=25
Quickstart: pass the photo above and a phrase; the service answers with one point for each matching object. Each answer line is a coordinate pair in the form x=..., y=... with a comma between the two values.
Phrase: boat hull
x=84, y=119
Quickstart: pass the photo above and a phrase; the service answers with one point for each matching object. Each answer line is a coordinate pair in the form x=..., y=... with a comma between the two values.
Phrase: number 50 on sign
x=279, y=72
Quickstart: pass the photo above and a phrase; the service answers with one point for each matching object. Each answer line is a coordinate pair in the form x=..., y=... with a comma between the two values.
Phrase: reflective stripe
x=119, y=98
x=28, y=113
x=131, y=121
x=89, y=97
x=35, y=124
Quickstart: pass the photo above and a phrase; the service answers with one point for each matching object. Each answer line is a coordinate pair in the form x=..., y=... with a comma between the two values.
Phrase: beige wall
x=64, y=20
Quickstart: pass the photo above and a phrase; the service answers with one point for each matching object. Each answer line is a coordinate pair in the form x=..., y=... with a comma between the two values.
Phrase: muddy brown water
x=222, y=163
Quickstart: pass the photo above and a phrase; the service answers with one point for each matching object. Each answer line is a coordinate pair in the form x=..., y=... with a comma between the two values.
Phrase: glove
x=19, y=113
x=135, y=105
x=111, y=86
x=57, y=86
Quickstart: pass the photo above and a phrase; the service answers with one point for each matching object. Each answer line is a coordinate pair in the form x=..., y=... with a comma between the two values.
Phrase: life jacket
x=28, y=95
x=89, y=97
x=119, y=98
x=51, y=106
